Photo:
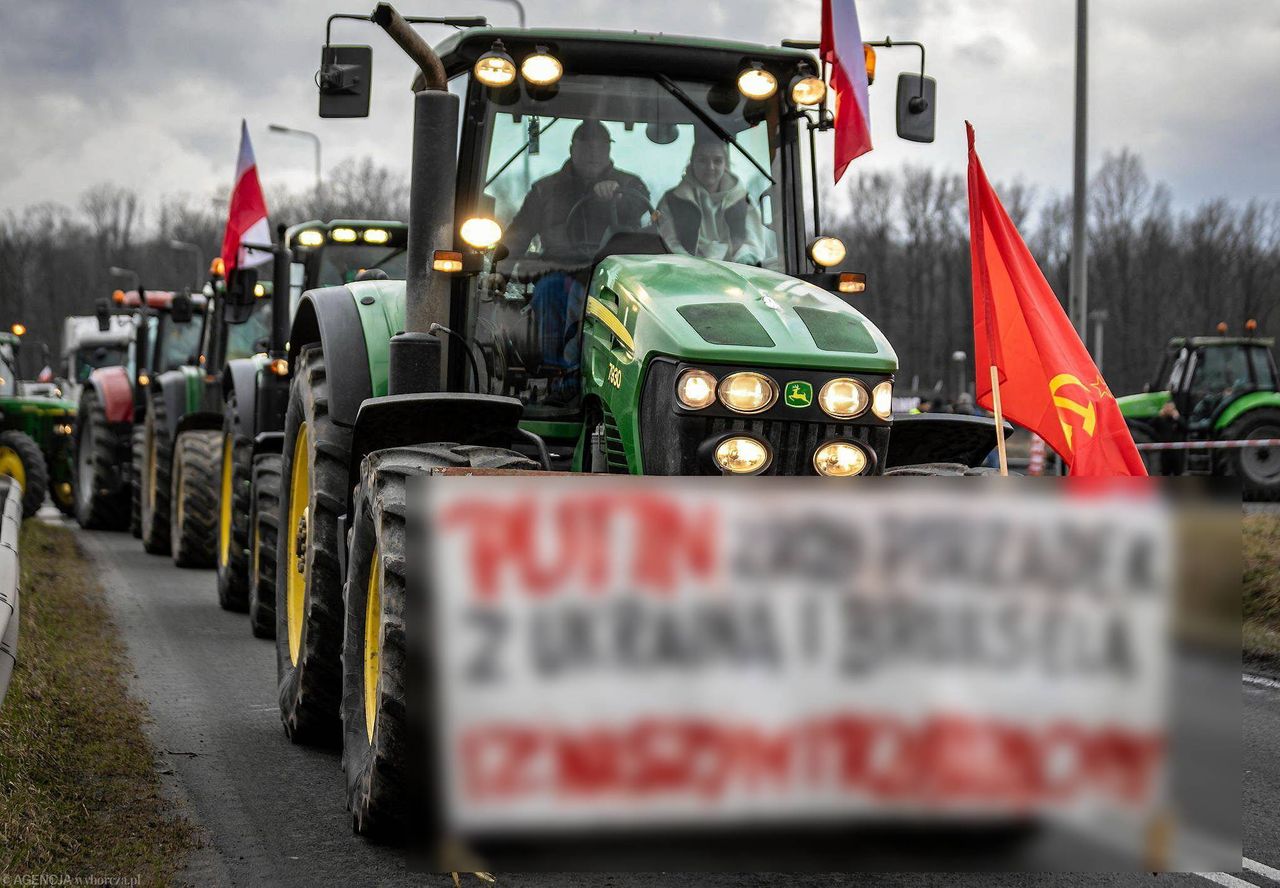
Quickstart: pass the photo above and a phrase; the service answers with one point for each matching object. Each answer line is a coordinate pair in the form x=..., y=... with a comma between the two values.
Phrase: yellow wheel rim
x=293, y=538
x=224, y=516
x=372, y=643
x=11, y=465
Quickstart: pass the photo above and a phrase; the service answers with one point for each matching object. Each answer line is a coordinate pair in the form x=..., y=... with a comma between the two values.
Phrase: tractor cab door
x=1219, y=374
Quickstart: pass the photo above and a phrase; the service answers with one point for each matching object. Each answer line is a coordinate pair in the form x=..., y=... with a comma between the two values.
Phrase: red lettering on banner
x=946, y=760
x=653, y=543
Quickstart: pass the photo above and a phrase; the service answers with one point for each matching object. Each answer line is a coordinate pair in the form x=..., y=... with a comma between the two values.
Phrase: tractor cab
x=8, y=366
x=1205, y=374
x=330, y=254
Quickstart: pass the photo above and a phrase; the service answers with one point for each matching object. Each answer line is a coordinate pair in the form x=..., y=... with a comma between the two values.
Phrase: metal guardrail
x=10, y=523
x=1210, y=445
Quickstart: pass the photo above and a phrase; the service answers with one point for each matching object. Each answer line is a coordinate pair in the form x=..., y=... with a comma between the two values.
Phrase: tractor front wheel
x=156, y=468
x=264, y=521
x=233, y=513
x=377, y=749
x=1257, y=467
x=96, y=504
x=21, y=460
x=193, y=498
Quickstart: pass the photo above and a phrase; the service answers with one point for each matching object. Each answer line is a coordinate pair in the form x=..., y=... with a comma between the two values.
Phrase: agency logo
x=799, y=394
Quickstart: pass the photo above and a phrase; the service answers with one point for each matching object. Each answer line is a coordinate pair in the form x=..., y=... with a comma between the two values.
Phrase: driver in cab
x=569, y=212
x=588, y=187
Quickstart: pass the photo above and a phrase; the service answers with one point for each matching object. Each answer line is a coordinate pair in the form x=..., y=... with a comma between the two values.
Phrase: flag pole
x=995, y=403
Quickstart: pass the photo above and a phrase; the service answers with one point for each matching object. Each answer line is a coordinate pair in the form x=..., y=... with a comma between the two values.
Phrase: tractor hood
x=720, y=312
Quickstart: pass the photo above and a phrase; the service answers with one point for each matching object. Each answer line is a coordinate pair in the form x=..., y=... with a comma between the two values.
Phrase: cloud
x=149, y=93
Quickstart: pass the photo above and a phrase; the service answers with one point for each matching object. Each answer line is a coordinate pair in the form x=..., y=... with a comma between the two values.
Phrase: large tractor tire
x=1258, y=468
x=21, y=460
x=138, y=452
x=308, y=583
x=235, y=482
x=377, y=749
x=264, y=522
x=97, y=449
x=193, y=498
x=157, y=466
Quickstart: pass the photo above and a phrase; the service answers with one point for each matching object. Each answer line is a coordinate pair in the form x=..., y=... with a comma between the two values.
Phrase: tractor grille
x=674, y=443
x=617, y=460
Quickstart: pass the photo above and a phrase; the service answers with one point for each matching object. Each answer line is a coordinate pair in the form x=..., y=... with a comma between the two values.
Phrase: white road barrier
x=1210, y=445
x=10, y=522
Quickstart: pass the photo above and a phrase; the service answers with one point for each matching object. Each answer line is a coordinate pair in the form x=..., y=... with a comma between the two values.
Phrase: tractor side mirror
x=917, y=107
x=345, y=80
x=241, y=287
x=103, y=310
x=181, y=309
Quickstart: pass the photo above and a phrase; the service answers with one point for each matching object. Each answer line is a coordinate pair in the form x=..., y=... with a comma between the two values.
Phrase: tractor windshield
x=612, y=164
x=253, y=336
x=1221, y=374
x=8, y=379
x=90, y=359
x=179, y=343
x=340, y=263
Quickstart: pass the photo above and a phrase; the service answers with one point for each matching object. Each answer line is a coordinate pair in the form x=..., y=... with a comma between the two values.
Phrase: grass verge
x=1261, y=610
x=79, y=793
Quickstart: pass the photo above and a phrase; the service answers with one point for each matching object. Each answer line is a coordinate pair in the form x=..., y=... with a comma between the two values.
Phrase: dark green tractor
x=1213, y=388
x=255, y=390
x=604, y=341
x=35, y=436
x=182, y=440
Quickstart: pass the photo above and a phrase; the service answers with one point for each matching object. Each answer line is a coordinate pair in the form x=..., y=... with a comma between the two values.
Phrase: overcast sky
x=149, y=93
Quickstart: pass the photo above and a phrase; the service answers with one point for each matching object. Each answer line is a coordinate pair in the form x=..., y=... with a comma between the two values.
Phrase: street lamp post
x=306, y=134
x=958, y=358
x=1099, y=317
x=1078, y=295
x=186, y=247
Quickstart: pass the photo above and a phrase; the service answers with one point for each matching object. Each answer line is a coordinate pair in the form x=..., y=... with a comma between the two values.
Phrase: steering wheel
x=577, y=213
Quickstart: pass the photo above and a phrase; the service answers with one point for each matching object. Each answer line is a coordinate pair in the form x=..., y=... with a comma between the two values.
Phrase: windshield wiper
x=523, y=148
x=709, y=122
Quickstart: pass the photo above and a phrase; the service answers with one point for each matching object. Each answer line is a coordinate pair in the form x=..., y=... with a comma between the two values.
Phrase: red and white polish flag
x=841, y=47
x=246, y=212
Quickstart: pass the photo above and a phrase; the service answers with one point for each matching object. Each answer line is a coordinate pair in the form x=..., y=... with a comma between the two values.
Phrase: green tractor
x=182, y=435
x=553, y=321
x=255, y=390
x=35, y=436
x=1213, y=388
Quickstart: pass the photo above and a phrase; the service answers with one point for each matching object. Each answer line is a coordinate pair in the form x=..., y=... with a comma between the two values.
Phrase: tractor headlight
x=882, y=400
x=310, y=238
x=376, y=236
x=541, y=68
x=843, y=398
x=495, y=68
x=756, y=83
x=343, y=235
x=840, y=459
x=808, y=90
x=827, y=251
x=696, y=389
x=481, y=233
x=742, y=456
x=748, y=392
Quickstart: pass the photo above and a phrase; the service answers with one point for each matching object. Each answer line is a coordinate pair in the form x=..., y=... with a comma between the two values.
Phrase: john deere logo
x=799, y=394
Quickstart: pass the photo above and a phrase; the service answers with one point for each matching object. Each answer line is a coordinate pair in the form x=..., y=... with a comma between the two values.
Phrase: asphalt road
x=273, y=813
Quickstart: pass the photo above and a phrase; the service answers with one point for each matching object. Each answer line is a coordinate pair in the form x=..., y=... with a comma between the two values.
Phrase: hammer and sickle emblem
x=1083, y=408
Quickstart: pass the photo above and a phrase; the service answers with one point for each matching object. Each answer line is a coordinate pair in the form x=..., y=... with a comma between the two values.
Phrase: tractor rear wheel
x=264, y=521
x=308, y=582
x=21, y=460
x=137, y=453
x=193, y=498
x=233, y=512
x=157, y=466
x=1257, y=467
x=97, y=447
x=377, y=749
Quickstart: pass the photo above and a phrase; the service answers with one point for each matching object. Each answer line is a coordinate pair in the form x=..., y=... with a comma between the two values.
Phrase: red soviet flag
x=1048, y=382
x=841, y=47
x=246, y=212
